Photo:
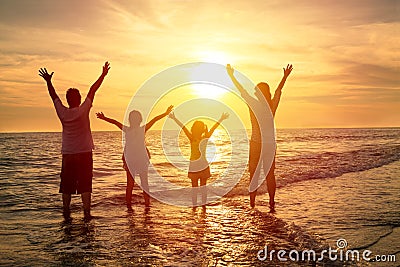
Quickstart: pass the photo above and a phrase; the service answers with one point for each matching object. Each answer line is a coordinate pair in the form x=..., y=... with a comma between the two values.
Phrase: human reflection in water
x=198, y=230
x=139, y=242
x=81, y=237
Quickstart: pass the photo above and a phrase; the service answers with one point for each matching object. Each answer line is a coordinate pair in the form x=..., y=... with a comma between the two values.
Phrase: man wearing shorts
x=77, y=142
x=258, y=144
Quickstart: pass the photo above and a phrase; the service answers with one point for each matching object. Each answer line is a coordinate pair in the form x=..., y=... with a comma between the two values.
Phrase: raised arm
x=96, y=85
x=157, y=118
x=278, y=91
x=286, y=72
x=230, y=71
x=47, y=77
x=185, y=130
x=224, y=116
x=101, y=116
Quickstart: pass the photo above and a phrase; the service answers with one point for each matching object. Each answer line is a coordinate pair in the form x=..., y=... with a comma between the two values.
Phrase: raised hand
x=224, y=116
x=287, y=70
x=100, y=115
x=172, y=116
x=229, y=69
x=169, y=109
x=98, y=82
x=46, y=76
x=106, y=68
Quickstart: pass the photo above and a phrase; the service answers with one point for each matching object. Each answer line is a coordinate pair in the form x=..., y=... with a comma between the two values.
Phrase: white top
x=135, y=152
x=76, y=134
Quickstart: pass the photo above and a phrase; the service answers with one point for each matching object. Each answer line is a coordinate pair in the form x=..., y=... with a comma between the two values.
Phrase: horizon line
x=280, y=128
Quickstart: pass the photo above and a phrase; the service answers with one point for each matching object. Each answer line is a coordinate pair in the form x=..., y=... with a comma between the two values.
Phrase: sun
x=203, y=90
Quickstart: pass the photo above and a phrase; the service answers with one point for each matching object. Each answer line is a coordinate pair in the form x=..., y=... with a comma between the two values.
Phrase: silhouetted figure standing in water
x=135, y=151
x=77, y=142
x=199, y=168
x=256, y=158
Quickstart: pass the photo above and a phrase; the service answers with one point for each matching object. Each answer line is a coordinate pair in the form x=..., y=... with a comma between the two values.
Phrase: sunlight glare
x=214, y=57
x=207, y=90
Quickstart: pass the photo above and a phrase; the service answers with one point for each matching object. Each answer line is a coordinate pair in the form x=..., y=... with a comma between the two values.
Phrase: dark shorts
x=76, y=173
x=254, y=157
x=200, y=174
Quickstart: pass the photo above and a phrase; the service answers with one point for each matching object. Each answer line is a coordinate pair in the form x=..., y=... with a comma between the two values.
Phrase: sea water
x=332, y=184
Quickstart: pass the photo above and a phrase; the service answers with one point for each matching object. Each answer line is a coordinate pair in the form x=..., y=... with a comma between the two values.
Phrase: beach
x=332, y=184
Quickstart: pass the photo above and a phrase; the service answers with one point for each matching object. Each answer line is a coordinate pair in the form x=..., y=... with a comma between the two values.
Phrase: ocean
x=333, y=184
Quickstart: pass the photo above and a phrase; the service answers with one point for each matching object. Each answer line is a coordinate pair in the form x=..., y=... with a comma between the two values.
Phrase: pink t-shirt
x=76, y=134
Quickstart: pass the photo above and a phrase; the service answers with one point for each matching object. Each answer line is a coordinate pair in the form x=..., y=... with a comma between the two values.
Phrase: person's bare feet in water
x=87, y=216
x=146, y=199
x=253, y=199
x=272, y=206
x=67, y=215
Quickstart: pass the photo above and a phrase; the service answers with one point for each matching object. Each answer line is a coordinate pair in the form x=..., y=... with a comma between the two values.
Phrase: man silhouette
x=77, y=142
x=256, y=154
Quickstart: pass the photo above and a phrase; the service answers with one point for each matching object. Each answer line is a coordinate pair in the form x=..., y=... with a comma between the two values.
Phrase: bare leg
x=66, y=203
x=86, y=199
x=253, y=198
x=194, y=191
x=254, y=169
x=271, y=184
x=146, y=199
x=145, y=186
x=203, y=183
x=252, y=194
x=129, y=187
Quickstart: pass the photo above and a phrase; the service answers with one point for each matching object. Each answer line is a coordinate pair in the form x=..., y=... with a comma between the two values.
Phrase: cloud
x=339, y=13
x=45, y=14
x=343, y=51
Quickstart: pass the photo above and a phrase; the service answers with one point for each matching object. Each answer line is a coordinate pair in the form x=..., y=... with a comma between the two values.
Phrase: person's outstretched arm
x=224, y=116
x=157, y=118
x=47, y=77
x=230, y=71
x=278, y=91
x=101, y=116
x=185, y=130
x=96, y=85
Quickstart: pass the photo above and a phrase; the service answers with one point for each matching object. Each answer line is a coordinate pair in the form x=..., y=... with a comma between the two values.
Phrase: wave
x=324, y=165
x=334, y=164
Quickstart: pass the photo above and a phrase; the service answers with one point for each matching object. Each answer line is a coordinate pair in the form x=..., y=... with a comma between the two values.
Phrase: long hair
x=198, y=128
x=265, y=90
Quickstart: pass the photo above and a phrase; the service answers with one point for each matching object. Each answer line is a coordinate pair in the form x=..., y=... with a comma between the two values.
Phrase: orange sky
x=345, y=55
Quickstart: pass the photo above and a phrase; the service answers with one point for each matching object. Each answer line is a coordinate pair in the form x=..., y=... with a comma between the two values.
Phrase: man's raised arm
x=96, y=85
x=47, y=77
